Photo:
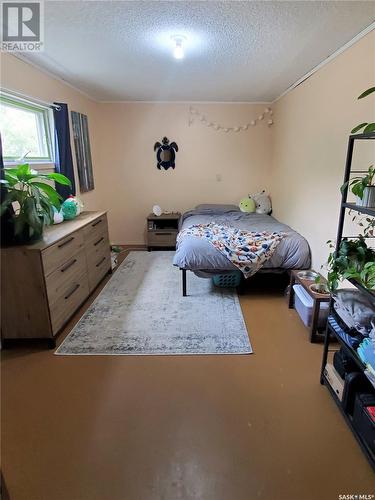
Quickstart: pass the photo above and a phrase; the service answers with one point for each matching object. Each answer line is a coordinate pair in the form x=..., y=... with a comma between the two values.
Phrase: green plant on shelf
x=367, y=224
x=365, y=127
x=32, y=198
x=353, y=260
x=358, y=184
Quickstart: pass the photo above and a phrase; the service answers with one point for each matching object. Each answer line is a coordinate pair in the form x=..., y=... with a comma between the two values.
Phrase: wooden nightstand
x=162, y=230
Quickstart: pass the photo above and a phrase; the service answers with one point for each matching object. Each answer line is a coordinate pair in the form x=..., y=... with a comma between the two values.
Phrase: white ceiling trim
x=53, y=75
x=328, y=60
x=186, y=102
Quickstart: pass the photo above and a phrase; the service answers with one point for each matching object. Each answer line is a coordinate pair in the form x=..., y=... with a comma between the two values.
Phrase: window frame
x=45, y=130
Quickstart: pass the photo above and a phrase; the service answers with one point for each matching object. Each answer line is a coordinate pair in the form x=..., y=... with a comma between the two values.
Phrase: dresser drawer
x=64, y=276
x=162, y=238
x=98, y=269
x=59, y=253
x=71, y=297
x=96, y=229
x=96, y=248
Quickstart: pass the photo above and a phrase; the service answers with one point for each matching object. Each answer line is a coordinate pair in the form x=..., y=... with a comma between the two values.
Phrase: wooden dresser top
x=57, y=232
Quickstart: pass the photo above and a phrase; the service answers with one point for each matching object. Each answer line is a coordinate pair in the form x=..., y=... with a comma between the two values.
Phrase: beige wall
x=312, y=124
x=132, y=184
x=300, y=159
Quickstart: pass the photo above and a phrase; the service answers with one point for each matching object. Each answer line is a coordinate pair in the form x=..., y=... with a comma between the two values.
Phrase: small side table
x=318, y=299
x=162, y=230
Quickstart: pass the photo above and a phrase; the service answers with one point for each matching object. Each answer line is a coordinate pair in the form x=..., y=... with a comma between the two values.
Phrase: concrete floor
x=244, y=427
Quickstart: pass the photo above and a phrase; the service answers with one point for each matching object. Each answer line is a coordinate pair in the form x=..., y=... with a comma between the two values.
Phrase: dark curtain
x=6, y=225
x=64, y=160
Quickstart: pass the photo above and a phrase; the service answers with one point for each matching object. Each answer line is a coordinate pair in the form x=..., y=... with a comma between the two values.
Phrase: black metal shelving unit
x=331, y=332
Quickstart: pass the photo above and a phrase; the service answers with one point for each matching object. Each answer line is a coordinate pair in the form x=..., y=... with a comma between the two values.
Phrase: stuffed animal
x=262, y=202
x=69, y=208
x=247, y=205
x=58, y=216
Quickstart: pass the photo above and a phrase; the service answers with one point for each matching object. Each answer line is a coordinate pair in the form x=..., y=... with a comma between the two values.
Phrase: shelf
x=362, y=210
x=349, y=349
x=370, y=294
x=370, y=135
x=351, y=352
x=364, y=446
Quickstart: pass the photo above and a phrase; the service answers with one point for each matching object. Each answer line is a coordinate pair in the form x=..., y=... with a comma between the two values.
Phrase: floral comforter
x=247, y=250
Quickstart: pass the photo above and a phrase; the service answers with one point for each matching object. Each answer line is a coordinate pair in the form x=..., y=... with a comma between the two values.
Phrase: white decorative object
x=156, y=210
x=58, y=216
x=194, y=112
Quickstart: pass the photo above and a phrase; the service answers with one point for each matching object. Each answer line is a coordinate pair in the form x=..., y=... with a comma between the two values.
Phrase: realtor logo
x=22, y=26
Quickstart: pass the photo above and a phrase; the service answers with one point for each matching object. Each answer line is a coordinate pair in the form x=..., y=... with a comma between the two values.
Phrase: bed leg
x=241, y=287
x=183, y=282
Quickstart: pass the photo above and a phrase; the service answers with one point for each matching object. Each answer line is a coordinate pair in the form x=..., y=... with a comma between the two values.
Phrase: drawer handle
x=96, y=223
x=66, y=242
x=72, y=291
x=70, y=264
x=100, y=262
x=163, y=234
x=99, y=240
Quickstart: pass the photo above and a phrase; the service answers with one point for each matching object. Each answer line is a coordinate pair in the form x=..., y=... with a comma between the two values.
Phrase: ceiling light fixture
x=178, y=51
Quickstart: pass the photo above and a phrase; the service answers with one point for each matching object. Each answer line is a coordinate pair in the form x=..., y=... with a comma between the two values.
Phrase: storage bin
x=362, y=420
x=303, y=304
x=227, y=280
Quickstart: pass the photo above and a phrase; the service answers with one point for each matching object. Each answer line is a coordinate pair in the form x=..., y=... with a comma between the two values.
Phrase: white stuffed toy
x=263, y=203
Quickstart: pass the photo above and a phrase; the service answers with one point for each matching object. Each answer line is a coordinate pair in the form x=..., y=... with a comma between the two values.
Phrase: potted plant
x=33, y=200
x=363, y=188
x=353, y=260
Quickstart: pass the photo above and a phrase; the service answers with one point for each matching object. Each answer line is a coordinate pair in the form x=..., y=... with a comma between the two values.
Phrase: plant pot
x=368, y=199
x=24, y=237
x=321, y=288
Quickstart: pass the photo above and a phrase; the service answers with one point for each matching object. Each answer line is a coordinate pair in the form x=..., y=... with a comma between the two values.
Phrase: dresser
x=44, y=283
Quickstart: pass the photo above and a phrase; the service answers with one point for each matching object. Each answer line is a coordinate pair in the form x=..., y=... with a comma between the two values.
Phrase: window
x=26, y=129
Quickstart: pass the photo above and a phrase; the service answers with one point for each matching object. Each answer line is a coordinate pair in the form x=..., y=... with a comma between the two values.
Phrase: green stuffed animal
x=247, y=205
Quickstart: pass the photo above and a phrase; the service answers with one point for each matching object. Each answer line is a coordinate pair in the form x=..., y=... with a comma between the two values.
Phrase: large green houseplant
x=353, y=260
x=33, y=200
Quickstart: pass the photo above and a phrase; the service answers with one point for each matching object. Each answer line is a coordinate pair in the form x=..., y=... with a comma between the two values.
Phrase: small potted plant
x=31, y=200
x=363, y=188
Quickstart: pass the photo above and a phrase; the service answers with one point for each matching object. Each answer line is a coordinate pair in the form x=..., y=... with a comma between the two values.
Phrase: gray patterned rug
x=141, y=311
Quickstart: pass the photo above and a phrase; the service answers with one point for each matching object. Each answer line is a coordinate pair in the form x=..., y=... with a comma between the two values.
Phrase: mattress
x=198, y=255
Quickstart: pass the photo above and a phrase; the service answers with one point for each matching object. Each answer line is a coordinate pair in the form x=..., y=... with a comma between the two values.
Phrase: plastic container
x=303, y=304
x=227, y=280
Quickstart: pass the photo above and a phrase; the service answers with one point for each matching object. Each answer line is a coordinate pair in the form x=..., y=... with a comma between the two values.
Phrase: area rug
x=141, y=311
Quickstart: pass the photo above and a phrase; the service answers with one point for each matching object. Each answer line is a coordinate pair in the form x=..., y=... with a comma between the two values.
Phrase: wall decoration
x=195, y=114
x=83, y=151
x=165, y=153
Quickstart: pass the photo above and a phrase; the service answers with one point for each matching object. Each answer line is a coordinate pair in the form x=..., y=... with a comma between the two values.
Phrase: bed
x=200, y=256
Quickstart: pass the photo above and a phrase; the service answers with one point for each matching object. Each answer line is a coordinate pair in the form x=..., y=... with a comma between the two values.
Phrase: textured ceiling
x=235, y=51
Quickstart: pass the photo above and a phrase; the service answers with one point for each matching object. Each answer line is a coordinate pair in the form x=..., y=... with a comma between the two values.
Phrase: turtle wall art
x=165, y=153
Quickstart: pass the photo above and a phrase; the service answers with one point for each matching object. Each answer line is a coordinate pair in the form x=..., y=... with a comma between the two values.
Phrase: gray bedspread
x=196, y=254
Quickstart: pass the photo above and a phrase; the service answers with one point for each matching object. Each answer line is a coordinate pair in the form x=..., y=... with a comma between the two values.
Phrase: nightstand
x=162, y=230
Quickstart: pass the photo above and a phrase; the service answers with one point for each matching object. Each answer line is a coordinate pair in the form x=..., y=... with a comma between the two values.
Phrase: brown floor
x=180, y=427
